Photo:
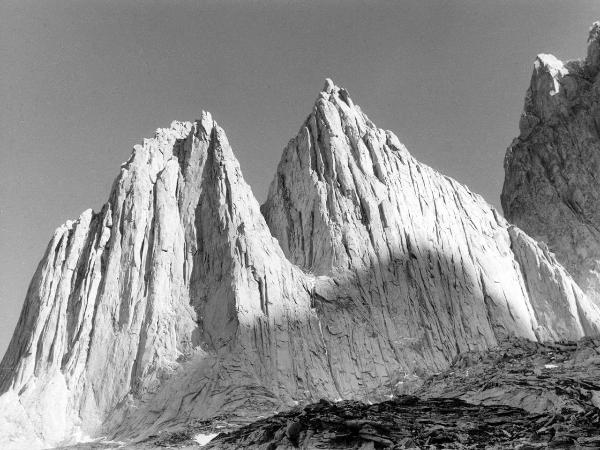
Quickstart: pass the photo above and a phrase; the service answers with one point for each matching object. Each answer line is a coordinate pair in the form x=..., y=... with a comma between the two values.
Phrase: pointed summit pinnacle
x=329, y=86
x=593, y=50
x=330, y=91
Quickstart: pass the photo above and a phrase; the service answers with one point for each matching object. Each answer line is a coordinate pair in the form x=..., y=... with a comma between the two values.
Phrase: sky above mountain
x=82, y=82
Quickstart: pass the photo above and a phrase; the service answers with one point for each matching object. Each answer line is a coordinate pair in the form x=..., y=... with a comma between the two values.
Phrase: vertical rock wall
x=552, y=183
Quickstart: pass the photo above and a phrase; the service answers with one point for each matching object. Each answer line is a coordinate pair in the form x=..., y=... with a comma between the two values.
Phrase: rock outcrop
x=521, y=395
x=175, y=302
x=552, y=184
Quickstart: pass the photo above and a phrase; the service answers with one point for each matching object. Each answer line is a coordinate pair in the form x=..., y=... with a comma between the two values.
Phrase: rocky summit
x=182, y=301
x=552, y=184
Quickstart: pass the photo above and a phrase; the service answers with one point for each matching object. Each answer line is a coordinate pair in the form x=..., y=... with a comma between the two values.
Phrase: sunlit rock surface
x=411, y=266
x=178, y=302
x=172, y=302
x=552, y=184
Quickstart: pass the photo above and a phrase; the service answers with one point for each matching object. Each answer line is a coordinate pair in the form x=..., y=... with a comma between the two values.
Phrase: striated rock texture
x=552, y=184
x=172, y=302
x=176, y=303
x=520, y=395
x=411, y=267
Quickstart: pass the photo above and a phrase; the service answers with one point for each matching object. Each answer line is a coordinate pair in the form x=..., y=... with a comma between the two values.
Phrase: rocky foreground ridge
x=521, y=395
x=183, y=300
x=552, y=184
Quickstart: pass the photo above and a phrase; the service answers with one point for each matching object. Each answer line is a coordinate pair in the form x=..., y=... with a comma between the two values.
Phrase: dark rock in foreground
x=521, y=394
x=554, y=390
x=410, y=422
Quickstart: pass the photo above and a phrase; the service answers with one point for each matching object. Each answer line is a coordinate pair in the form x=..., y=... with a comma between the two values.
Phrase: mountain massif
x=184, y=300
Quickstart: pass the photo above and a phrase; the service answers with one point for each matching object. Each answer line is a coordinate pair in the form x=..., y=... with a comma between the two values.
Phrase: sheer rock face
x=552, y=184
x=175, y=302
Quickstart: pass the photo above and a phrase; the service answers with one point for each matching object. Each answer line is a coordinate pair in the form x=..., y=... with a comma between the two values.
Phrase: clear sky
x=82, y=82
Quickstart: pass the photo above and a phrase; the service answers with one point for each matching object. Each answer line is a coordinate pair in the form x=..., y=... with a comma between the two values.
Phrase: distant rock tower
x=552, y=184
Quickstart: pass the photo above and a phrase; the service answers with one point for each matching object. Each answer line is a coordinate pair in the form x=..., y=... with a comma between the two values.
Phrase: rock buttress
x=552, y=169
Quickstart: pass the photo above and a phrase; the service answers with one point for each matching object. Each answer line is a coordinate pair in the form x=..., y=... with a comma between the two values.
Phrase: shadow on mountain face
x=364, y=334
x=407, y=317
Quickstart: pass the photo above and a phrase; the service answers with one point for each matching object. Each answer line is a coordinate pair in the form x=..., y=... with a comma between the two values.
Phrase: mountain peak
x=329, y=86
x=332, y=92
x=551, y=169
x=348, y=201
x=171, y=278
